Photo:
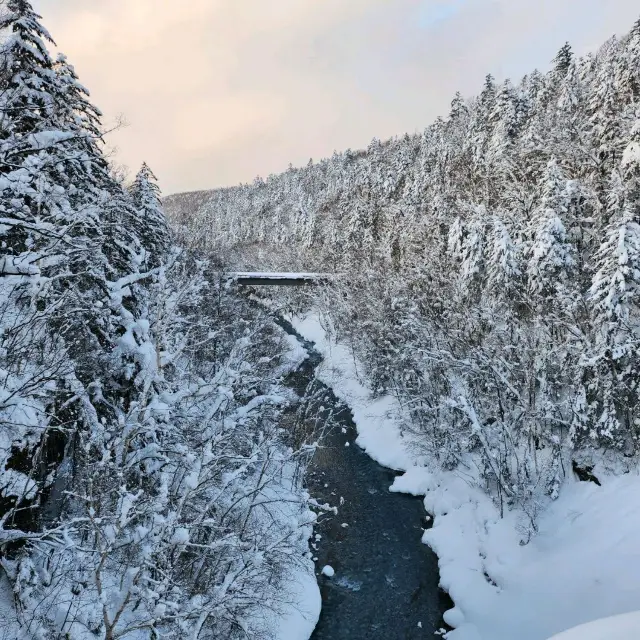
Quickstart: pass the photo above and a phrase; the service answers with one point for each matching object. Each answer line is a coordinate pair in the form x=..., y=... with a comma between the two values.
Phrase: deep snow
x=300, y=618
x=623, y=627
x=581, y=566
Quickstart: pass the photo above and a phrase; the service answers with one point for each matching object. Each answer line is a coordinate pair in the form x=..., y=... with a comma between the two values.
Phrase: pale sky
x=219, y=91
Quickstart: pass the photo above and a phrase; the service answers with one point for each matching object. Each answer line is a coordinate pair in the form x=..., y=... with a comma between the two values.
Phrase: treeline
x=490, y=267
x=146, y=489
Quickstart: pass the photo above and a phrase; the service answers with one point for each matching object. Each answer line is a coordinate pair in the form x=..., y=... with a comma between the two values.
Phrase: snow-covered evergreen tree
x=551, y=252
x=504, y=266
x=616, y=284
x=149, y=223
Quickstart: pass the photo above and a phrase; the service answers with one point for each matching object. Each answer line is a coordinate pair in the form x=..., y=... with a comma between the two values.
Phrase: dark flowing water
x=386, y=581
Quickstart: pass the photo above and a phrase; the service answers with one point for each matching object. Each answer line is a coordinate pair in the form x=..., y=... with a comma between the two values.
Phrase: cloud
x=432, y=13
x=218, y=91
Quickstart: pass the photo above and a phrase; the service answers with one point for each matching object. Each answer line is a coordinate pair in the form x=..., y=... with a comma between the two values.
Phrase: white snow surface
x=328, y=571
x=581, y=566
x=624, y=627
x=299, y=616
x=278, y=275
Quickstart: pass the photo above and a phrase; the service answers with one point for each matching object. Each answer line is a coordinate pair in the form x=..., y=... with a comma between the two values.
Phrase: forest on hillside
x=153, y=446
x=147, y=489
x=488, y=270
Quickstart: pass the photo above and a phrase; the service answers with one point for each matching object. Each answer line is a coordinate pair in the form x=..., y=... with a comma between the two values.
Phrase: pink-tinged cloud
x=219, y=91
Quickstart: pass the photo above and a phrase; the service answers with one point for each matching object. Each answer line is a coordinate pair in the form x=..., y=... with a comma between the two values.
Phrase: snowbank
x=298, y=618
x=582, y=565
x=625, y=627
x=379, y=432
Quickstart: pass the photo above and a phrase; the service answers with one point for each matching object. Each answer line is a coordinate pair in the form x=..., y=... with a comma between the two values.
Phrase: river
x=385, y=584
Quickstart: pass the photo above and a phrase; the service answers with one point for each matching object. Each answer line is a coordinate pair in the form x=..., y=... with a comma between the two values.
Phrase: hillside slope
x=494, y=261
x=490, y=286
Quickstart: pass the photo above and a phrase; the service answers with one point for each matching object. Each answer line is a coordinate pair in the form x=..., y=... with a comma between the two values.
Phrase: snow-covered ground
x=299, y=617
x=623, y=627
x=583, y=564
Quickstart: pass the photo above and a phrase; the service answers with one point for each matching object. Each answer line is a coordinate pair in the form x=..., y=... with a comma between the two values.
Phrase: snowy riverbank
x=581, y=566
x=298, y=618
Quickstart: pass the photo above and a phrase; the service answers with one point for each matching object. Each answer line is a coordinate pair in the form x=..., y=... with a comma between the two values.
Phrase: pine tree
x=615, y=294
x=571, y=134
x=505, y=119
x=74, y=108
x=607, y=118
x=628, y=68
x=28, y=82
x=458, y=107
x=630, y=167
x=150, y=222
x=562, y=61
x=551, y=254
x=535, y=127
x=481, y=122
x=474, y=250
x=616, y=284
x=55, y=184
x=27, y=99
x=504, y=261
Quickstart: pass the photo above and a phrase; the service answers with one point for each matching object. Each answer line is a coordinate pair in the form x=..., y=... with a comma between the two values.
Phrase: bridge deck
x=280, y=279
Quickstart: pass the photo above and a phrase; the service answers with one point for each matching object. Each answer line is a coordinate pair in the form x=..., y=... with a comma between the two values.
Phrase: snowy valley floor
x=582, y=565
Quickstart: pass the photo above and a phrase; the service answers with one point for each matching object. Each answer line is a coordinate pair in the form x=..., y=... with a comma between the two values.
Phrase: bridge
x=279, y=279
